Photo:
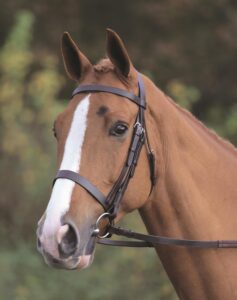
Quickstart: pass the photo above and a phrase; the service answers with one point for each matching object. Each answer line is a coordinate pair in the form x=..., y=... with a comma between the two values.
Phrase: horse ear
x=118, y=54
x=75, y=62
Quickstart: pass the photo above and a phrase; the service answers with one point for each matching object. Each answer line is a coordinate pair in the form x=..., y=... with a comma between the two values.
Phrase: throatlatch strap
x=93, y=88
x=91, y=189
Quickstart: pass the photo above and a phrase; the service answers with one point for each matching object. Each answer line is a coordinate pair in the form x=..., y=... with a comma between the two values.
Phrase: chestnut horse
x=195, y=196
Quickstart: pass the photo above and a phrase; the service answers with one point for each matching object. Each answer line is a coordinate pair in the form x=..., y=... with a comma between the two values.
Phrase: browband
x=94, y=88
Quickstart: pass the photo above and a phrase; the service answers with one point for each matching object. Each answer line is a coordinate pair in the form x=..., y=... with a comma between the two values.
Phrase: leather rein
x=111, y=202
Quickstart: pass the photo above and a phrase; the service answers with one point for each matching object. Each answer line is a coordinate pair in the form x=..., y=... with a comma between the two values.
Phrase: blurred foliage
x=28, y=106
x=188, y=47
x=185, y=95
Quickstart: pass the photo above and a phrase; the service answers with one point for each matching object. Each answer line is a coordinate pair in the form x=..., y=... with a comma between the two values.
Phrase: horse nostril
x=68, y=240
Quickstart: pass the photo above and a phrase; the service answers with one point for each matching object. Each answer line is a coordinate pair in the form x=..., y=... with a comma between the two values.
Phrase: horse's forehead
x=101, y=104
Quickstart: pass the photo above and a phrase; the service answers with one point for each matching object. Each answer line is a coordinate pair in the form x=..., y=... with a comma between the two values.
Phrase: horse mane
x=228, y=145
x=104, y=66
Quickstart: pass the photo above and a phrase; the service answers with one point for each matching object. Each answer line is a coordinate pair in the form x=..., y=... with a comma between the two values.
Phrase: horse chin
x=75, y=263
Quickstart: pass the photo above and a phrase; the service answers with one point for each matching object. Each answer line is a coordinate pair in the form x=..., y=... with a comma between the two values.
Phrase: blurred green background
x=187, y=47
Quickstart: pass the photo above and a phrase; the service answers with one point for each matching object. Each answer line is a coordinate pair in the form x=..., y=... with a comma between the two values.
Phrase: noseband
x=111, y=202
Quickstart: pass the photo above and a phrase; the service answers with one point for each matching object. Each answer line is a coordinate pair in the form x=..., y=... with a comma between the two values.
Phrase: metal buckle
x=96, y=231
x=140, y=128
x=137, y=124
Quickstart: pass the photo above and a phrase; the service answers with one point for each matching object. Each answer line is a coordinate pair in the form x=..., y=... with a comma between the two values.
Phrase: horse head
x=93, y=136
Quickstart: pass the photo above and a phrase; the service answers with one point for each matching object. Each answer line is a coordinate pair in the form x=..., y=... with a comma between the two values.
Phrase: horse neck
x=195, y=198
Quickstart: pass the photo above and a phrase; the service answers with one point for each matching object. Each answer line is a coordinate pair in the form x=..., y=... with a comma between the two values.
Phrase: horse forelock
x=104, y=66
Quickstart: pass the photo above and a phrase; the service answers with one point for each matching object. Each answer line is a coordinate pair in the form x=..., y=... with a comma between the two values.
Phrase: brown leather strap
x=145, y=240
x=120, y=186
x=91, y=189
x=131, y=244
x=94, y=88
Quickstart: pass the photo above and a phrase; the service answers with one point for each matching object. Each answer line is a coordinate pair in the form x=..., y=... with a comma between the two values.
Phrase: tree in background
x=179, y=44
x=28, y=106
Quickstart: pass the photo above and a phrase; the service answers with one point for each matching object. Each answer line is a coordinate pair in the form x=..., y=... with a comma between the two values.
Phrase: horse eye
x=118, y=129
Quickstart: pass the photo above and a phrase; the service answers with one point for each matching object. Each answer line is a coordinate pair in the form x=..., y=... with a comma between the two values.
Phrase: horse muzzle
x=64, y=249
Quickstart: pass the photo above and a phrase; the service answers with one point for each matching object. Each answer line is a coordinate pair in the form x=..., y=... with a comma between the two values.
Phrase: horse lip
x=70, y=263
x=73, y=263
x=63, y=266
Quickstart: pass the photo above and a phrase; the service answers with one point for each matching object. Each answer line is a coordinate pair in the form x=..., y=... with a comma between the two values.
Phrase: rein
x=111, y=202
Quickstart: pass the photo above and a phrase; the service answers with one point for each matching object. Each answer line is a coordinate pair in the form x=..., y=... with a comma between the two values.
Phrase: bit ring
x=97, y=230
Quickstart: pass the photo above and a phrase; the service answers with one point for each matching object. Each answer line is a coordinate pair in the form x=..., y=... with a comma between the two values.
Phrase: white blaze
x=62, y=191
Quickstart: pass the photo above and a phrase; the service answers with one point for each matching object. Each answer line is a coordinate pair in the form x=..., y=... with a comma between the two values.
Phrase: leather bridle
x=111, y=202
